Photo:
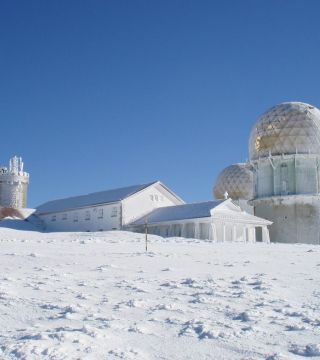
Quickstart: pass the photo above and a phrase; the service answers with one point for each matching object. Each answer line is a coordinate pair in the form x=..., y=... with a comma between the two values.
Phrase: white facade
x=287, y=193
x=64, y=215
x=215, y=221
x=284, y=148
x=14, y=185
x=285, y=153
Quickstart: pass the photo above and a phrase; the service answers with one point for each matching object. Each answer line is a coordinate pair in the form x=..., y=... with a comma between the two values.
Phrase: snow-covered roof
x=101, y=197
x=180, y=212
x=224, y=210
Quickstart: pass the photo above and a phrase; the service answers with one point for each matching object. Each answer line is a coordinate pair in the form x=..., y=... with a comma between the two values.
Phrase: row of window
x=86, y=215
x=156, y=197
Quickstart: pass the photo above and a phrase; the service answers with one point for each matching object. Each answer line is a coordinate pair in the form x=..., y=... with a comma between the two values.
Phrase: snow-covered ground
x=101, y=296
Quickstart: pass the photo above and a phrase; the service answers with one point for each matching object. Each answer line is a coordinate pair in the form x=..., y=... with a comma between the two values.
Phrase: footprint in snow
x=307, y=350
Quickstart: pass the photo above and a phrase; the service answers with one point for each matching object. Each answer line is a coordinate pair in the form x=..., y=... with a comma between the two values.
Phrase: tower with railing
x=14, y=183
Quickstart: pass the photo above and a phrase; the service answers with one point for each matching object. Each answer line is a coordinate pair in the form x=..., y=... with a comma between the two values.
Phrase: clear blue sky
x=102, y=94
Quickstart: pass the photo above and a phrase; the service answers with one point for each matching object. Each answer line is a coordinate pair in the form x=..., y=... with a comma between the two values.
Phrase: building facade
x=218, y=221
x=284, y=151
x=106, y=210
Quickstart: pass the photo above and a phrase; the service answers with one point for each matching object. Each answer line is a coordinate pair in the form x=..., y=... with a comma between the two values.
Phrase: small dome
x=286, y=128
x=236, y=180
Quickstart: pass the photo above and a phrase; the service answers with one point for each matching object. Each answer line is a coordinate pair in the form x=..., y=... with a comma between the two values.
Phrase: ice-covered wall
x=14, y=184
x=296, y=218
x=284, y=149
x=286, y=175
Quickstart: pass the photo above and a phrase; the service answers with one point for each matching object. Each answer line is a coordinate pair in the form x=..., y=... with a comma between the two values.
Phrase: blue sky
x=102, y=94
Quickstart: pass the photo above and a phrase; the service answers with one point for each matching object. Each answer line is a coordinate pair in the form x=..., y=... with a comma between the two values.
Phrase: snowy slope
x=100, y=296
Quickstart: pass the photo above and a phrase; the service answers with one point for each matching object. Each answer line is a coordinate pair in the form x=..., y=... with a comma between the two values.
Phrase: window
x=100, y=213
x=64, y=216
x=151, y=197
x=75, y=217
x=87, y=215
x=114, y=212
x=54, y=218
x=156, y=197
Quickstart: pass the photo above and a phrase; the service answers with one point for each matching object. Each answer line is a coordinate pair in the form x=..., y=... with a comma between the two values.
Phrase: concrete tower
x=14, y=185
x=284, y=152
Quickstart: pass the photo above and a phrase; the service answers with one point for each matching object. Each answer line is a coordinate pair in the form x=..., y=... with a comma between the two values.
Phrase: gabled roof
x=224, y=210
x=179, y=212
x=101, y=197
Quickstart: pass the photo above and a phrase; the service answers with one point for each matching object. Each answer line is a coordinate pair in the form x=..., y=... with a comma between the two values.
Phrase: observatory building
x=14, y=183
x=284, y=150
x=236, y=182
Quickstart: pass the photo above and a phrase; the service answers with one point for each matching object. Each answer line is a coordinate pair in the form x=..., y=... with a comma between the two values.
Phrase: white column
x=183, y=230
x=213, y=232
x=254, y=238
x=234, y=233
x=252, y=234
x=244, y=233
x=265, y=235
x=197, y=230
x=224, y=232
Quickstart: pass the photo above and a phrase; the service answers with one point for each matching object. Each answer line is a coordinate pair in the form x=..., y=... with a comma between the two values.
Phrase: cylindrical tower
x=284, y=149
x=14, y=185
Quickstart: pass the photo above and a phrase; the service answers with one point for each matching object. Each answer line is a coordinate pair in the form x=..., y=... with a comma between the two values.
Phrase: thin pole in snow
x=146, y=232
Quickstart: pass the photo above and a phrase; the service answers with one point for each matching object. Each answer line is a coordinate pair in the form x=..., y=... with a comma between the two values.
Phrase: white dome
x=286, y=128
x=236, y=180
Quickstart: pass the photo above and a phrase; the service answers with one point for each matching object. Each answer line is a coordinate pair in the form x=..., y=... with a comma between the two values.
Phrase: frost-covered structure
x=14, y=183
x=111, y=209
x=221, y=221
x=282, y=179
x=156, y=207
x=284, y=149
x=236, y=182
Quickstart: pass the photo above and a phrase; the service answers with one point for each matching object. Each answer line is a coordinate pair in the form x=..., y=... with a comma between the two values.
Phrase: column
x=197, y=230
x=213, y=231
x=183, y=230
x=234, y=233
x=265, y=235
x=224, y=232
x=244, y=234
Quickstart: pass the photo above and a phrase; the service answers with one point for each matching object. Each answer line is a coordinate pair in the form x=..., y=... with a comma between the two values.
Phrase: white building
x=105, y=210
x=212, y=220
x=166, y=214
x=282, y=178
x=284, y=151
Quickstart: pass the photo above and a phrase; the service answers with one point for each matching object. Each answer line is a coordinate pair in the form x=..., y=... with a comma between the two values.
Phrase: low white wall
x=95, y=218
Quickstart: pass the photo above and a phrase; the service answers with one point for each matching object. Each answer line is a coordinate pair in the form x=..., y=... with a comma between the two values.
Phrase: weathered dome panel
x=236, y=180
x=286, y=128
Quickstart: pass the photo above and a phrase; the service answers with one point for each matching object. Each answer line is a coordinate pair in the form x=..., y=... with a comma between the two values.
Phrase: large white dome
x=236, y=180
x=286, y=128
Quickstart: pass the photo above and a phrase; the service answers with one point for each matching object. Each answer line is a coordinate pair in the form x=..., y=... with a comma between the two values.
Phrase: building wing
x=101, y=197
x=179, y=212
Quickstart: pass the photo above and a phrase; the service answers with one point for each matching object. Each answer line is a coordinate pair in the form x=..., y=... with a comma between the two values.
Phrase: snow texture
x=101, y=296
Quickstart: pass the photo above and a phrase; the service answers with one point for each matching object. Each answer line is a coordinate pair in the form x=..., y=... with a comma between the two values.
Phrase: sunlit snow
x=101, y=296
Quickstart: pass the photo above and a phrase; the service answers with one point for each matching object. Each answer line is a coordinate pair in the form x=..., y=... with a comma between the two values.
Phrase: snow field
x=100, y=296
